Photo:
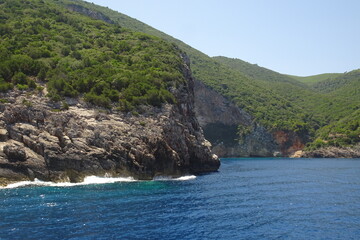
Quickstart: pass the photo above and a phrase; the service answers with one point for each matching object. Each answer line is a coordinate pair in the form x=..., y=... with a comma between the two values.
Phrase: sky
x=298, y=37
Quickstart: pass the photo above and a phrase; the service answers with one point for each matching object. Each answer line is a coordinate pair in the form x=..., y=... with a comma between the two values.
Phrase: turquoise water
x=246, y=199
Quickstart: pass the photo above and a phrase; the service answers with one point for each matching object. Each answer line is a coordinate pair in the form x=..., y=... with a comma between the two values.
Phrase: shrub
x=19, y=78
x=4, y=86
x=31, y=83
x=54, y=96
x=22, y=87
x=125, y=106
x=65, y=51
x=101, y=100
x=154, y=98
x=27, y=103
x=64, y=105
x=42, y=74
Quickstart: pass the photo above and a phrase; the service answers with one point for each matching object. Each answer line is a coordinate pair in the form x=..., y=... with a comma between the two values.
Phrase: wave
x=87, y=181
x=90, y=180
x=183, y=178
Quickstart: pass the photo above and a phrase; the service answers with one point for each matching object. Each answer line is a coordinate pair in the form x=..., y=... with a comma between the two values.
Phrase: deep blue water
x=246, y=199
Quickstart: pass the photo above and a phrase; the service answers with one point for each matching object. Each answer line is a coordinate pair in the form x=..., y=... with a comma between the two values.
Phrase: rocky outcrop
x=334, y=152
x=258, y=143
x=40, y=142
x=220, y=119
x=289, y=142
x=211, y=107
x=90, y=13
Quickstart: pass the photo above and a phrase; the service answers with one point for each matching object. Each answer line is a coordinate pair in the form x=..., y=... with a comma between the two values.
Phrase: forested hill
x=332, y=99
x=267, y=107
x=315, y=78
x=277, y=101
x=76, y=55
x=256, y=72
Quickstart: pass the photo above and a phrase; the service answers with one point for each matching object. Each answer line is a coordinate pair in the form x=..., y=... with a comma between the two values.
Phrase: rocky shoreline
x=37, y=140
x=333, y=152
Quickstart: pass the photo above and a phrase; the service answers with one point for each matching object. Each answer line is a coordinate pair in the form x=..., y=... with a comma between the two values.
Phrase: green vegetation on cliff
x=344, y=132
x=80, y=56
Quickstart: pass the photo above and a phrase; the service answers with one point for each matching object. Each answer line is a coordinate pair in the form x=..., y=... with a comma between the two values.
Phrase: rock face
x=38, y=142
x=220, y=120
x=289, y=142
x=15, y=153
x=89, y=12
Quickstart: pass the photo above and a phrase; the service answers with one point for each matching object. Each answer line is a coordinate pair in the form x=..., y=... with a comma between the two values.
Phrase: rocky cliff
x=221, y=119
x=39, y=141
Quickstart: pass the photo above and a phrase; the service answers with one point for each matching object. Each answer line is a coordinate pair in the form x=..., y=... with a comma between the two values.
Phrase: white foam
x=87, y=181
x=18, y=184
x=92, y=180
x=183, y=178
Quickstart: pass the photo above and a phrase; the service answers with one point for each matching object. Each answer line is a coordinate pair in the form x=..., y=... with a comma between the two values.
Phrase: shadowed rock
x=15, y=153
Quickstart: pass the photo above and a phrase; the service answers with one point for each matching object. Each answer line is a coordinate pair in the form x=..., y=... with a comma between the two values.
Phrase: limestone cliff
x=220, y=119
x=38, y=141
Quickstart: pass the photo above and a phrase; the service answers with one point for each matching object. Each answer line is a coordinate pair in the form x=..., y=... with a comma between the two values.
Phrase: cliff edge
x=37, y=140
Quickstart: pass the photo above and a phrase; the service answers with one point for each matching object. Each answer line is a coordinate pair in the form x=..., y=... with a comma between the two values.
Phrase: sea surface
x=246, y=199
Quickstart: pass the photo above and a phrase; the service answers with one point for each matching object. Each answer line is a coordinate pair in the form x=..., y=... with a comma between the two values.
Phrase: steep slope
x=289, y=110
x=118, y=102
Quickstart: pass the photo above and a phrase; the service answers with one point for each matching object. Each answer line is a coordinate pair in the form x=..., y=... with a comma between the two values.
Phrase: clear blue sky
x=299, y=37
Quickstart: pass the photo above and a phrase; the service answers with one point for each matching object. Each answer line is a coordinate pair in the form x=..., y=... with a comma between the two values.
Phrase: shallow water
x=246, y=199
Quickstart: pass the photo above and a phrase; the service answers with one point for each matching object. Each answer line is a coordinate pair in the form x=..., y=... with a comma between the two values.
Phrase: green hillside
x=348, y=81
x=253, y=71
x=77, y=55
x=315, y=78
x=345, y=132
x=327, y=100
x=333, y=103
x=277, y=101
x=272, y=110
x=81, y=49
x=299, y=94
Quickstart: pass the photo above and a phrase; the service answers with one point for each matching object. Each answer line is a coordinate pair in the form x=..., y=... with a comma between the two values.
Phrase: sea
x=248, y=198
